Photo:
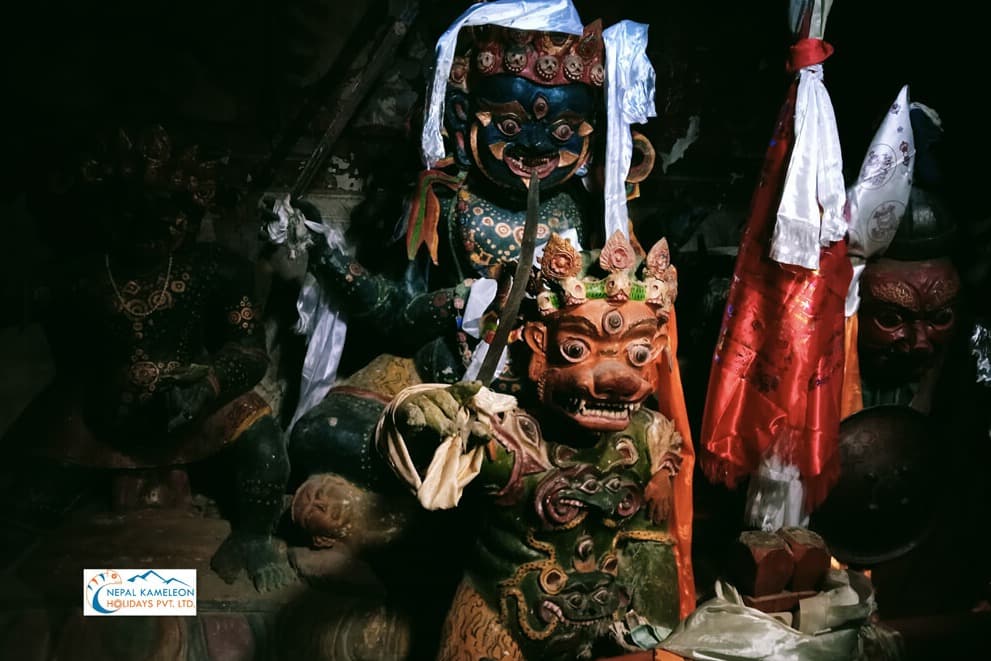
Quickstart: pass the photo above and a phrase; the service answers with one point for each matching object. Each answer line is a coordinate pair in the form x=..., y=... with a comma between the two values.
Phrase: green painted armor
x=565, y=549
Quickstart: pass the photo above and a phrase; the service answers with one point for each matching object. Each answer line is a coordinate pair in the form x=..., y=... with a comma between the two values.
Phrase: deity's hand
x=660, y=496
x=284, y=223
x=188, y=392
x=436, y=410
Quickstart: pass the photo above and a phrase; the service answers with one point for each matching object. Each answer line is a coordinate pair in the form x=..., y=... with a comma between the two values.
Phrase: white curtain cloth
x=320, y=318
x=453, y=465
x=630, y=85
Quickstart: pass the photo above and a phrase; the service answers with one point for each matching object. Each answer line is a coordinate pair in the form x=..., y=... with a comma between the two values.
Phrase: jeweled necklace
x=123, y=302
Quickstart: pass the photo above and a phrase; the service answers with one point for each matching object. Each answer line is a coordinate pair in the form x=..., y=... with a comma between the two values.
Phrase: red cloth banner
x=776, y=379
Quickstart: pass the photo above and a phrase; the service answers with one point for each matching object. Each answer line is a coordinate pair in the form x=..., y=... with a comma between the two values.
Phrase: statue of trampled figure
x=577, y=491
x=519, y=104
x=157, y=345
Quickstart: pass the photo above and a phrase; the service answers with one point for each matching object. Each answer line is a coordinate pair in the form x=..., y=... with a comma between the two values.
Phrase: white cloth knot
x=810, y=215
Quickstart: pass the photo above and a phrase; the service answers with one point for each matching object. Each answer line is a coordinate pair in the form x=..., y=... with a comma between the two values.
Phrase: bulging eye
x=601, y=596
x=574, y=350
x=509, y=126
x=563, y=132
x=591, y=486
x=889, y=319
x=942, y=318
x=639, y=354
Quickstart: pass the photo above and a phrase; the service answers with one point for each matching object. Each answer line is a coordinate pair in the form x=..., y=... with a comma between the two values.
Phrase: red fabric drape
x=777, y=373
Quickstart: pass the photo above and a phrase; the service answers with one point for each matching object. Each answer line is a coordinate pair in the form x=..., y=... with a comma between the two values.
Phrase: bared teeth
x=601, y=409
x=529, y=163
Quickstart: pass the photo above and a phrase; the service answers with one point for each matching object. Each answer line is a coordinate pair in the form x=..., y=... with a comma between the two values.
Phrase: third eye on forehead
x=542, y=112
x=645, y=326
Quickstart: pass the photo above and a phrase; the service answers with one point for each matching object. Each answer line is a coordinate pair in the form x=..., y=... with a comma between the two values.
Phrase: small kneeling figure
x=575, y=554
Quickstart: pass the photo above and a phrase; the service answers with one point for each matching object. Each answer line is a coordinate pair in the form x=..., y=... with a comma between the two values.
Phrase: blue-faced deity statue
x=522, y=102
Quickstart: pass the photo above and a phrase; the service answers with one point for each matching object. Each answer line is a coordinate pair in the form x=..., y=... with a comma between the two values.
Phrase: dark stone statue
x=157, y=345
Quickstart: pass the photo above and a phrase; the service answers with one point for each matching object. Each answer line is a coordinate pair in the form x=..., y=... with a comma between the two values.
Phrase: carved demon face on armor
x=907, y=317
x=511, y=127
x=594, y=363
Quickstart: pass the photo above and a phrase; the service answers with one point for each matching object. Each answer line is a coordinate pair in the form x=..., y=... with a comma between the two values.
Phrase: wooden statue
x=573, y=487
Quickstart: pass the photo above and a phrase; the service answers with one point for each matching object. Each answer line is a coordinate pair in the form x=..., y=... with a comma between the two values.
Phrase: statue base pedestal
x=337, y=610
x=152, y=488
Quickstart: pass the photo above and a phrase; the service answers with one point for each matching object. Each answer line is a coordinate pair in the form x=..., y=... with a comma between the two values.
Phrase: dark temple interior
x=324, y=101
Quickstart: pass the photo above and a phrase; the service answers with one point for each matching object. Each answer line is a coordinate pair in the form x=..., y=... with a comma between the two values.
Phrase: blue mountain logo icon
x=152, y=574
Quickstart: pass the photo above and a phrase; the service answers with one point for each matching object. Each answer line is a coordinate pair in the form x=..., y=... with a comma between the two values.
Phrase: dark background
x=250, y=77
x=235, y=72
x=254, y=80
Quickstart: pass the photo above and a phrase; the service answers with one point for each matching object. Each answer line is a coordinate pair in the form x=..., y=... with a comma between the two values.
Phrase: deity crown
x=564, y=280
x=546, y=58
x=151, y=161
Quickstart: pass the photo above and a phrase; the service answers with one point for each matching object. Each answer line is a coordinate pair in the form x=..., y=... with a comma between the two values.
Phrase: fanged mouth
x=597, y=408
x=523, y=166
x=549, y=612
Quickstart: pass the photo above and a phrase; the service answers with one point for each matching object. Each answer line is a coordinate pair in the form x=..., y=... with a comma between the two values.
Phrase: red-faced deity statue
x=907, y=316
x=593, y=364
x=596, y=350
x=909, y=297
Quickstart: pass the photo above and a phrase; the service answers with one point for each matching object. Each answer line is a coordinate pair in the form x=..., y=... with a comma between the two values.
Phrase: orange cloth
x=664, y=655
x=671, y=403
x=853, y=393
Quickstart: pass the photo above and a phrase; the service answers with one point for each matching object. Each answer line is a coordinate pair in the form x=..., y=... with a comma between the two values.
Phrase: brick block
x=811, y=558
x=760, y=564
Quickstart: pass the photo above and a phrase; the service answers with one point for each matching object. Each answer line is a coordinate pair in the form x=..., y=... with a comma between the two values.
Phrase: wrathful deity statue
x=575, y=488
x=911, y=293
x=157, y=345
x=506, y=120
x=909, y=310
x=520, y=105
x=911, y=377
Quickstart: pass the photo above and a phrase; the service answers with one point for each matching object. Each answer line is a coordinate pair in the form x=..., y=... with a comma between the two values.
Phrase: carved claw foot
x=261, y=556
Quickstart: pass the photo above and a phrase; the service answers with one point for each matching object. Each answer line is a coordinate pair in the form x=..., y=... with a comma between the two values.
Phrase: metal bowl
x=886, y=500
